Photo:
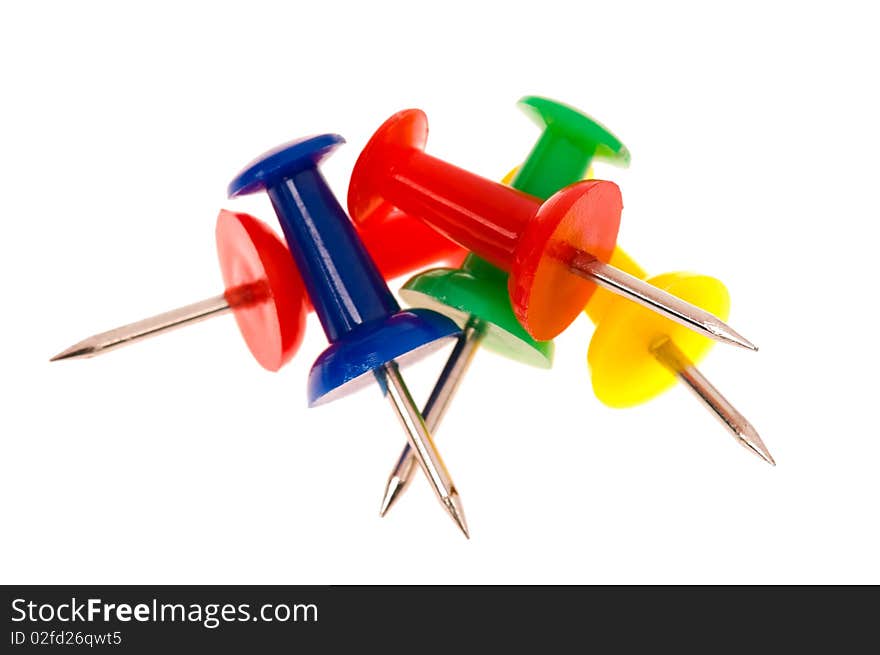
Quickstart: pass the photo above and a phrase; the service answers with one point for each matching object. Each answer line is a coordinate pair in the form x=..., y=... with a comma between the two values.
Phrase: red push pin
x=556, y=252
x=264, y=289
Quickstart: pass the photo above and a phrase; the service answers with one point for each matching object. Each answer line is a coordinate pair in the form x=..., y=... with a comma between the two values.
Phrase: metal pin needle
x=668, y=354
x=444, y=390
x=660, y=301
x=149, y=327
x=419, y=437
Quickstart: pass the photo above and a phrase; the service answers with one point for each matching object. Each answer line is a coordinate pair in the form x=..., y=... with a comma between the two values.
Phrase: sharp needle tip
x=748, y=344
x=76, y=351
x=392, y=492
x=724, y=332
x=456, y=511
x=755, y=444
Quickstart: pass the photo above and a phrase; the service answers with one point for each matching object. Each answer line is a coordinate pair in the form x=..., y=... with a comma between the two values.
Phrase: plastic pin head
x=478, y=289
x=570, y=141
x=279, y=164
x=623, y=368
x=400, y=243
x=567, y=123
x=509, y=229
x=582, y=218
x=263, y=288
x=360, y=316
x=404, y=132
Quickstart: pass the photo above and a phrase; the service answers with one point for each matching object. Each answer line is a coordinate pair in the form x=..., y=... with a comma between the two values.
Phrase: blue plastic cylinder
x=345, y=286
x=360, y=316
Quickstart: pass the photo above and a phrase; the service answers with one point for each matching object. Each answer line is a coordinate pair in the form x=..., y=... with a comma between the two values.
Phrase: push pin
x=635, y=355
x=264, y=289
x=476, y=294
x=556, y=252
x=366, y=328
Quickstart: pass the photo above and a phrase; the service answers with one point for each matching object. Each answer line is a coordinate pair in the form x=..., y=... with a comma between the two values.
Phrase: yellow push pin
x=635, y=354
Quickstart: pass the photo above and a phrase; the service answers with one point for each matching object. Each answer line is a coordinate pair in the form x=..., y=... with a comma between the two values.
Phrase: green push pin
x=476, y=294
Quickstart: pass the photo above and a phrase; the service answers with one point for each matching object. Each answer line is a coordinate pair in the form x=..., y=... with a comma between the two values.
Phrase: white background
x=754, y=132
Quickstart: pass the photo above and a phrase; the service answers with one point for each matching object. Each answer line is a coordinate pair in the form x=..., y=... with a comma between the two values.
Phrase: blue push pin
x=367, y=331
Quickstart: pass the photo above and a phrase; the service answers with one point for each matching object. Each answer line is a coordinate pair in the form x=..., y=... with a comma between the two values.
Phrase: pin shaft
x=438, y=402
x=660, y=301
x=422, y=445
x=668, y=354
x=148, y=327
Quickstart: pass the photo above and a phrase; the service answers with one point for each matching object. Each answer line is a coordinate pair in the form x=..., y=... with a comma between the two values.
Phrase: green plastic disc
x=479, y=289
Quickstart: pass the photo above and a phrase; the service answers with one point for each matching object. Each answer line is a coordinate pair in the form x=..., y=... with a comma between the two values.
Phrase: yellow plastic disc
x=623, y=369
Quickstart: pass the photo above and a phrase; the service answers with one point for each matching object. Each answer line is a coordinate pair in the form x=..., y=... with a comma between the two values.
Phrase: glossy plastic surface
x=623, y=369
x=404, y=337
x=401, y=245
x=546, y=295
x=263, y=287
x=266, y=291
x=570, y=140
x=347, y=291
x=508, y=228
x=479, y=289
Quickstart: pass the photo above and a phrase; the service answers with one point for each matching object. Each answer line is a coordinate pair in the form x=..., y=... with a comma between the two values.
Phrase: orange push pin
x=635, y=355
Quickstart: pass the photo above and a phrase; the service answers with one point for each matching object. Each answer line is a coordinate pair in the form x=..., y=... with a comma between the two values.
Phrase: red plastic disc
x=263, y=287
x=546, y=295
x=406, y=130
